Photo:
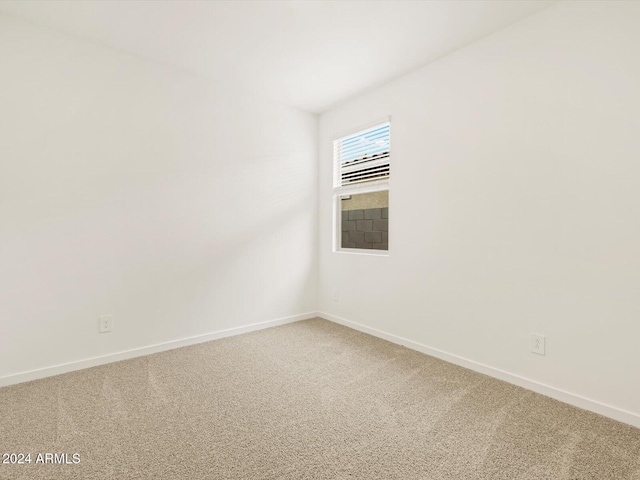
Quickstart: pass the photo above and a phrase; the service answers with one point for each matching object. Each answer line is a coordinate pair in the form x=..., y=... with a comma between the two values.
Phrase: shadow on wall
x=165, y=254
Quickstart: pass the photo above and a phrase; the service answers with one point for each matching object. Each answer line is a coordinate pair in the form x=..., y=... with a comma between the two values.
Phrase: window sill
x=362, y=251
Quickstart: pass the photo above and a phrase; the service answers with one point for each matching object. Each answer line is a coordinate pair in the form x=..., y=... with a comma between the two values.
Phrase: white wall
x=181, y=206
x=514, y=205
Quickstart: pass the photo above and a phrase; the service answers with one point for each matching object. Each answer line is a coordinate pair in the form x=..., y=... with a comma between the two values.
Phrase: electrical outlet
x=335, y=295
x=105, y=323
x=536, y=343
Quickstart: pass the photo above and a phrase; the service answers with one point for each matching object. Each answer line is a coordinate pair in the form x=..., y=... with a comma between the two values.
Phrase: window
x=361, y=189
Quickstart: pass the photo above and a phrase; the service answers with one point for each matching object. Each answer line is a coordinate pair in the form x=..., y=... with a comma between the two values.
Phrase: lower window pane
x=365, y=221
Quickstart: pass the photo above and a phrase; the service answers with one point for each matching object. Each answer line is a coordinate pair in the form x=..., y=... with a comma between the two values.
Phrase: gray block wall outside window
x=366, y=229
x=355, y=214
x=348, y=225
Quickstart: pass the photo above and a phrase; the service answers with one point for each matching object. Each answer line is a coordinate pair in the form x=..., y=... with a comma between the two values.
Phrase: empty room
x=298, y=239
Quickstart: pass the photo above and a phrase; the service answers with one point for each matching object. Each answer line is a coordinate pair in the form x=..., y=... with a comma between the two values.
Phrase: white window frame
x=356, y=189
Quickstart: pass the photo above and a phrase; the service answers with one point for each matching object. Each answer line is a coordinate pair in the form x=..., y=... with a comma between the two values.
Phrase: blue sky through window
x=365, y=144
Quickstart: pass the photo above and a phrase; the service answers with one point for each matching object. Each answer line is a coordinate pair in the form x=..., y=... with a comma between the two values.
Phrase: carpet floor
x=309, y=400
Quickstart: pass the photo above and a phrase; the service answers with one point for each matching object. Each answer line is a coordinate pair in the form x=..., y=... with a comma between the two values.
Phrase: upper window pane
x=363, y=157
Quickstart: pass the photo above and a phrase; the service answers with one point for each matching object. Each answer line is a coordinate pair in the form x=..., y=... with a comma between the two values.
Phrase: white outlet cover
x=537, y=343
x=105, y=323
x=335, y=295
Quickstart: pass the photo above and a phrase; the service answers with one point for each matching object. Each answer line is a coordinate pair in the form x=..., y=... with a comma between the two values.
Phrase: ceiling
x=309, y=54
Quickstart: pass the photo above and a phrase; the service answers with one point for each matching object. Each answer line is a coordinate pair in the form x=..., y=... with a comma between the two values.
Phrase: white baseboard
x=149, y=349
x=547, y=390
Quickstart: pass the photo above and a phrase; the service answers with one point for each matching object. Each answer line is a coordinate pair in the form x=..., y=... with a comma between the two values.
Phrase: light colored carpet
x=310, y=400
